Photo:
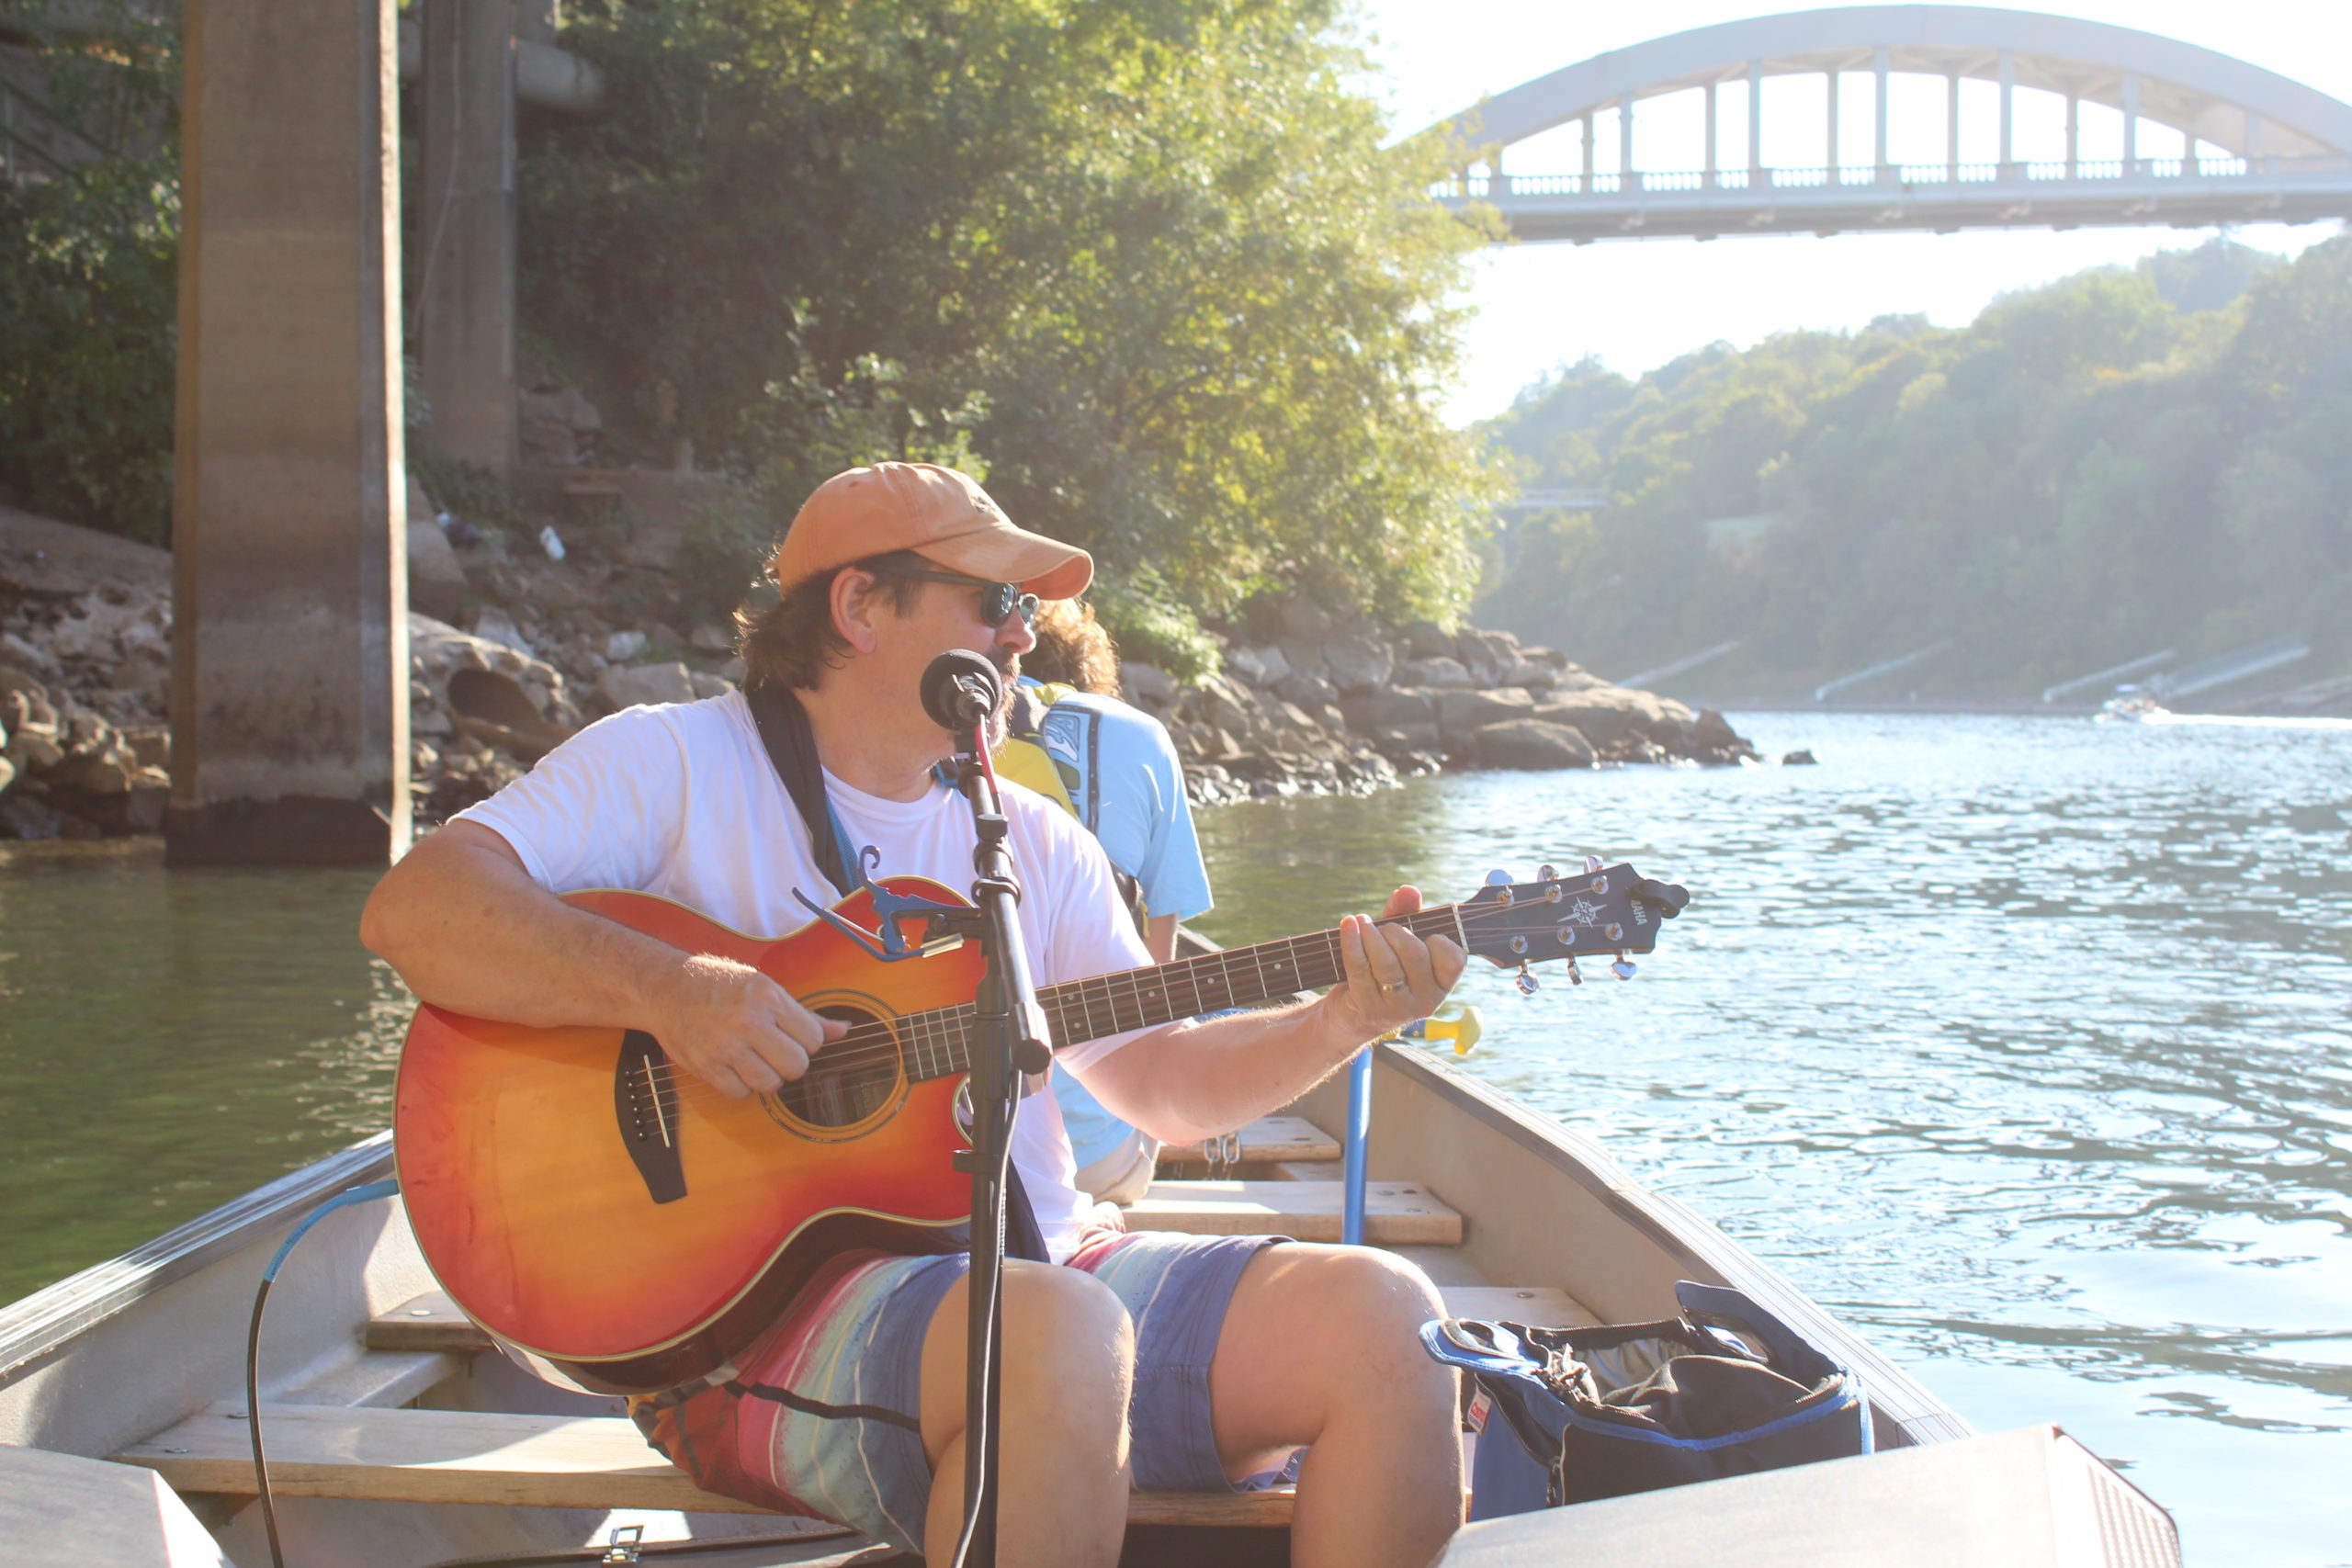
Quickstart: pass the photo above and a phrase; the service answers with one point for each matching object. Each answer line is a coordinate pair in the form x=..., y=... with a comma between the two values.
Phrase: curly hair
x=794, y=641
x=1073, y=649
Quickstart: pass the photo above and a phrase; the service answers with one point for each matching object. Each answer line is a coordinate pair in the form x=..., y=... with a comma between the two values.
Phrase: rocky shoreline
x=535, y=646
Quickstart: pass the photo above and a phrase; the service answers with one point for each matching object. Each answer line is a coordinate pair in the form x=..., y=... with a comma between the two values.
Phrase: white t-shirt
x=681, y=800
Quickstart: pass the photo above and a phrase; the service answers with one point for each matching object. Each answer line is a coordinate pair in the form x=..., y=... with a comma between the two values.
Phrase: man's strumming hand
x=736, y=1029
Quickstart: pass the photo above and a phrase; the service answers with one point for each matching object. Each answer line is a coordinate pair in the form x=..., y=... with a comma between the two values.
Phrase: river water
x=2025, y=1045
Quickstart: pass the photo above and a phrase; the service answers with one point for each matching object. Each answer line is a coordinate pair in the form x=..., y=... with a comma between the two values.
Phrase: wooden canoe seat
x=432, y=1322
x=1395, y=1213
x=1536, y=1308
x=1266, y=1141
x=429, y=1322
x=465, y=1456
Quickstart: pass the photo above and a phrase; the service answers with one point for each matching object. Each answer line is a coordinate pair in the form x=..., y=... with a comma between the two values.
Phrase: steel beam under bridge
x=2185, y=194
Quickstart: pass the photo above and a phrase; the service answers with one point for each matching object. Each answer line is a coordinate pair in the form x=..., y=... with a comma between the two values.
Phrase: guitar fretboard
x=938, y=1042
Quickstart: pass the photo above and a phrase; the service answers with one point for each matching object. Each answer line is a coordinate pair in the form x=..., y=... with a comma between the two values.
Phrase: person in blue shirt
x=1115, y=769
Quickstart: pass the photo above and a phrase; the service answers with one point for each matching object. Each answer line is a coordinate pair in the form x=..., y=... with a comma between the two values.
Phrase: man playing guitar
x=1173, y=1362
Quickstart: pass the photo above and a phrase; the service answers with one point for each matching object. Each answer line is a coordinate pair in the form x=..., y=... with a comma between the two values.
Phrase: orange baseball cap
x=939, y=512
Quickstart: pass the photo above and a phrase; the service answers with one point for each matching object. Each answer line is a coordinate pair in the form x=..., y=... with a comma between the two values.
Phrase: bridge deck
x=1937, y=198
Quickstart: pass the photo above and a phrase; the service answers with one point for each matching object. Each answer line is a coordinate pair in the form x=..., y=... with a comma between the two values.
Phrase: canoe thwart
x=1395, y=1212
x=429, y=1322
x=1265, y=1141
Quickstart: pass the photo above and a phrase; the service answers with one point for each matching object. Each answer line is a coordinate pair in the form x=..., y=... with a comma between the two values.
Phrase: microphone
x=960, y=690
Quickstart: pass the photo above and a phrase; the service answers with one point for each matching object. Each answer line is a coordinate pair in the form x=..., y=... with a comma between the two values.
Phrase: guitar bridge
x=645, y=1103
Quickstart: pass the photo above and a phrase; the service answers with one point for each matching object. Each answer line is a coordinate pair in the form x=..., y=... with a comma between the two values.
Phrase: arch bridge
x=2252, y=146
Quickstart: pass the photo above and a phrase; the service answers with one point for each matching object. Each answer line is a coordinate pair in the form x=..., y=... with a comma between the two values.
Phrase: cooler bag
x=1570, y=1414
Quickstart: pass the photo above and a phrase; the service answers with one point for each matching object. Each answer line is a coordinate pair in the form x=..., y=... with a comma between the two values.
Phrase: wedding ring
x=1396, y=985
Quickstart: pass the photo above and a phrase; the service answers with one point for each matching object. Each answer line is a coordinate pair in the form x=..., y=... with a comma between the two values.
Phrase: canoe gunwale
x=36, y=1326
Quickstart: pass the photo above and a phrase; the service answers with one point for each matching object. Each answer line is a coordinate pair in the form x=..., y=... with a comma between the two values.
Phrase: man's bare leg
x=1068, y=1364
x=1321, y=1345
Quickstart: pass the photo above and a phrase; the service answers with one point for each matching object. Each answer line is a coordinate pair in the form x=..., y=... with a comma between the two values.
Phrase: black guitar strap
x=792, y=748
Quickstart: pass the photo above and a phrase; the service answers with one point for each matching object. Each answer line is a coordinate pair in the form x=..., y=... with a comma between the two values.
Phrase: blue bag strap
x=1780, y=1342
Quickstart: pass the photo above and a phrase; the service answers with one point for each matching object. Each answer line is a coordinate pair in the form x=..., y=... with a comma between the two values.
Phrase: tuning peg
x=1575, y=976
x=1525, y=982
x=1667, y=898
x=1622, y=968
x=1545, y=873
x=1592, y=863
x=1498, y=877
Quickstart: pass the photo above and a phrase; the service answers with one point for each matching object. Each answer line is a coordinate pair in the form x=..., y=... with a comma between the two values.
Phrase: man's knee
x=1068, y=1351
x=1367, y=1287
x=1065, y=1315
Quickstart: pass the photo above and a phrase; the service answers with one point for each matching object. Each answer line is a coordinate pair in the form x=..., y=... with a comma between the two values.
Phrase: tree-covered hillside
x=2120, y=462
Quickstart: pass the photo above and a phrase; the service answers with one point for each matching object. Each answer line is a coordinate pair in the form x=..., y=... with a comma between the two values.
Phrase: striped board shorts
x=820, y=1415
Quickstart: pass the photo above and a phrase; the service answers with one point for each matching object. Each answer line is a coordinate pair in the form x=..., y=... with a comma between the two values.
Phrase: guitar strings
x=946, y=1030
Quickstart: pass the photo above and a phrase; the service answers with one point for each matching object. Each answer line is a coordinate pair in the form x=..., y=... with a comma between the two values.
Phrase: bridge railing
x=1618, y=183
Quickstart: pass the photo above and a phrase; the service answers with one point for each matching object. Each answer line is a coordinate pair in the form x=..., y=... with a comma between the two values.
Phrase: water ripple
x=2026, y=1045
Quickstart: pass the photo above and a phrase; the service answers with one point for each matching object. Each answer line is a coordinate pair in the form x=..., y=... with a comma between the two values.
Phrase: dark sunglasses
x=1000, y=602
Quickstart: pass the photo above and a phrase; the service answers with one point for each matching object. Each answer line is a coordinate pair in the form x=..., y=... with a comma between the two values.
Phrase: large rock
x=1226, y=704
x=1398, y=706
x=41, y=556
x=1461, y=713
x=453, y=674
x=557, y=426
x=1438, y=674
x=1147, y=684
x=637, y=685
x=1608, y=715
x=436, y=583
x=1489, y=656
x=1404, y=740
x=1357, y=665
x=1307, y=691
x=1258, y=666
x=1427, y=639
x=1305, y=657
x=1531, y=744
x=1304, y=621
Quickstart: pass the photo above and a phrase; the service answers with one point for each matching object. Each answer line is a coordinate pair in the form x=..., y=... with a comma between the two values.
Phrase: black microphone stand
x=1009, y=1038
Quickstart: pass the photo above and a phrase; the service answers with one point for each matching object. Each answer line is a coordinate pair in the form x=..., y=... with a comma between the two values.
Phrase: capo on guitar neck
x=943, y=924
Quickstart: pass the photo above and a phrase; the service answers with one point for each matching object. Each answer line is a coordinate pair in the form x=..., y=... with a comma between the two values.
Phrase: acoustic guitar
x=628, y=1228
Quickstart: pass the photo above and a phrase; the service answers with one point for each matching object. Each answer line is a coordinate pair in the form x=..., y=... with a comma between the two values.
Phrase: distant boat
x=2132, y=704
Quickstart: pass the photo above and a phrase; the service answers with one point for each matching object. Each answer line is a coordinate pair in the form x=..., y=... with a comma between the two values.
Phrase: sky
x=1636, y=304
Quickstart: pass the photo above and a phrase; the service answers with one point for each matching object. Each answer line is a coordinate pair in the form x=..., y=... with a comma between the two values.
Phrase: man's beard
x=1008, y=674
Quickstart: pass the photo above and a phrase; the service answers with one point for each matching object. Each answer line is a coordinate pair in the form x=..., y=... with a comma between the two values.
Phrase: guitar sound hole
x=845, y=1083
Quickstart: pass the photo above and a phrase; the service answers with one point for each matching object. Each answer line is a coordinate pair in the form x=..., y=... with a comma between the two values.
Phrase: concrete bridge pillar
x=2130, y=124
x=2008, y=113
x=1881, y=57
x=465, y=312
x=289, y=690
x=1755, y=125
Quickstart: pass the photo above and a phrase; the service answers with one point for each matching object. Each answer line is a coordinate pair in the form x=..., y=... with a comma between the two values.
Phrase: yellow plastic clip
x=1464, y=1029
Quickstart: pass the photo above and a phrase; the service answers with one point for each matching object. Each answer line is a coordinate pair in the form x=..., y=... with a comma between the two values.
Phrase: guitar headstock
x=1613, y=910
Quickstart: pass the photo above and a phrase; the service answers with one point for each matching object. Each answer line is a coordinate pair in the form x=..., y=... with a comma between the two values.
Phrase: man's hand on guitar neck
x=1392, y=976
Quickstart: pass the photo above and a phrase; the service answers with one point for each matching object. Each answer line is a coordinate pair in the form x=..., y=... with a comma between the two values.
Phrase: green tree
x=1144, y=262
x=89, y=248
x=2084, y=474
